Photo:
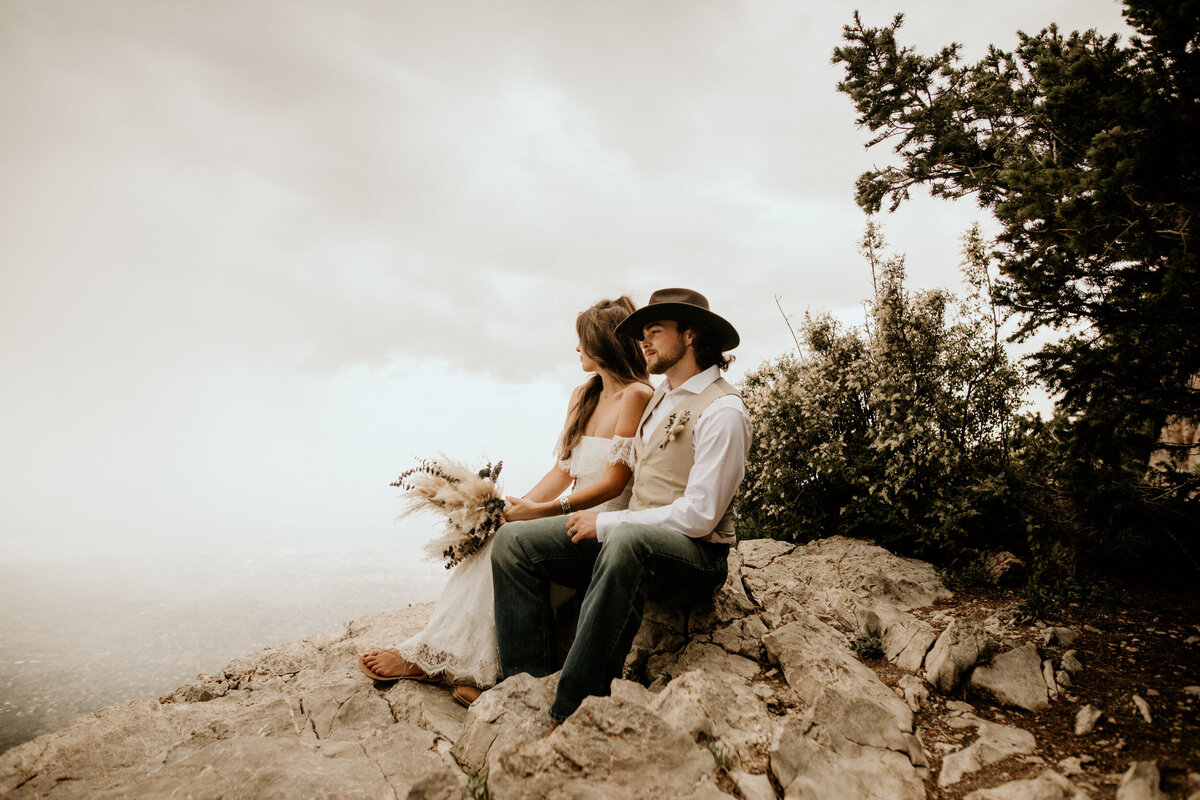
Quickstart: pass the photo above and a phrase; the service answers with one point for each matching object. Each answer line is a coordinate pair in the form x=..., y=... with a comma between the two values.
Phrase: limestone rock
x=1047, y=786
x=1048, y=677
x=381, y=627
x=729, y=621
x=835, y=717
x=513, y=711
x=771, y=582
x=995, y=743
x=266, y=668
x=916, y=691
x=906, y=639
x=608, y=748
x=840, y=564
x=204, y=688
x=835, y=579
x=293, y=720
x=663, y=630
x=1070, y=662
x=445, y=783
x=758, y=553
x=1072, y=765
x=110, y=742
x=856, y=738
x=1142, y=707
x=721, y=708
x=955, y=652
x=341, y=711
x=1063, y=637
x=1140, y=782
x=1086, y=719
x=742, y=636
x=253, y=766
x=753, y=787
x=963, y=721
x=427, y=706
x=806, y=769
x=852, y=564
x=814, y=659
x=664, y=667
x=1014, y=678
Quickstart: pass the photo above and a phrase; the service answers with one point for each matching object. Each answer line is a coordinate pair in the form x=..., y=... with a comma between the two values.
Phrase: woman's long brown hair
x=621, y=356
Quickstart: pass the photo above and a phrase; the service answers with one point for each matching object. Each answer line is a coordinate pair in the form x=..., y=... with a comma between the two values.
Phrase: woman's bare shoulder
x=642, y=391
x=636, y=394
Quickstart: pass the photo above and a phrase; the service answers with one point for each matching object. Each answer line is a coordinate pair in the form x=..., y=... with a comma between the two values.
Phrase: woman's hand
x=520, y=509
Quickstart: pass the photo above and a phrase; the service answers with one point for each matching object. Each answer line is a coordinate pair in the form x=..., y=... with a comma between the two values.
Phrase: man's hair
x=706, y=345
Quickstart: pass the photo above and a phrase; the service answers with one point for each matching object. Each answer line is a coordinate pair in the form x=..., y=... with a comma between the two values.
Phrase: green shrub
x=894, y=431
x=868, y=646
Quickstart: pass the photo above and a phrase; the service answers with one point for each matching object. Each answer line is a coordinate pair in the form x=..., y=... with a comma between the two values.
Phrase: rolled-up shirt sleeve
x=721, y=440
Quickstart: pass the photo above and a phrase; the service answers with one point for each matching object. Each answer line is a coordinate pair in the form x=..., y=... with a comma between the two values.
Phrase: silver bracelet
x=565, y=505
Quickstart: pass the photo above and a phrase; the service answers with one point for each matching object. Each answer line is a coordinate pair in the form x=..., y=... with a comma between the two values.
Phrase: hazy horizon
x=83, y=631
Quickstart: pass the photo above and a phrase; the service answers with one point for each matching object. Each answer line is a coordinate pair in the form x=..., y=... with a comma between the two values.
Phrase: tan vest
x=664, y=462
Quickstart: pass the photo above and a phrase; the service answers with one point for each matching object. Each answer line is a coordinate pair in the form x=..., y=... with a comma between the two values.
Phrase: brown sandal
x=466, y=695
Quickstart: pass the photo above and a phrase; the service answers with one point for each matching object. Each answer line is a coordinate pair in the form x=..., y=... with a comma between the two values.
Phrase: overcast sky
x=255, y=256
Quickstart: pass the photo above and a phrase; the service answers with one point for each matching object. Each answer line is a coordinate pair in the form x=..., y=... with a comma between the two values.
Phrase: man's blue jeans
x=635, y=563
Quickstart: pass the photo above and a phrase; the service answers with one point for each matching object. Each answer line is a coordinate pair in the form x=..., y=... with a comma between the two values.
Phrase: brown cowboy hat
x=681, y=305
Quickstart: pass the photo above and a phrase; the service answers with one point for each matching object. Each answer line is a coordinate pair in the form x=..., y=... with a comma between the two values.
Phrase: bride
x=594, y=455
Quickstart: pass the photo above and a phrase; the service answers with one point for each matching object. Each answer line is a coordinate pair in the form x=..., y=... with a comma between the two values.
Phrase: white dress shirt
x=721, y=441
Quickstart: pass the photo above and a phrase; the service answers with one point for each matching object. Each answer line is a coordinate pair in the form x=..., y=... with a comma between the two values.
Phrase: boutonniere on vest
x=674, y=427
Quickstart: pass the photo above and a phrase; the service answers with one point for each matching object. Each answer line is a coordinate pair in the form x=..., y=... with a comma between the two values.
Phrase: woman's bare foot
x=387, y=665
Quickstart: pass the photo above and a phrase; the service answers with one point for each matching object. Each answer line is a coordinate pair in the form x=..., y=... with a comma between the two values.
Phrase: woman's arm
x=633, y=403
x=552, y=484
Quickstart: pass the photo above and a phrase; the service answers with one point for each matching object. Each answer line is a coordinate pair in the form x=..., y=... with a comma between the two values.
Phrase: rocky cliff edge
x=760, y=695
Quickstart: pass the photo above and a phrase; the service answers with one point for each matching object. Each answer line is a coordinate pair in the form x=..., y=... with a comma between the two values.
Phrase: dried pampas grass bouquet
x=469, y=500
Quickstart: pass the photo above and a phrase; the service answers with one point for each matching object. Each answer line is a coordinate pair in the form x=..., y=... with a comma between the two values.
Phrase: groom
x=669, y=546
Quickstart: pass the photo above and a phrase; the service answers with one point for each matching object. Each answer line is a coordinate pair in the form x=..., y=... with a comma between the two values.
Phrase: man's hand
x=582, y=525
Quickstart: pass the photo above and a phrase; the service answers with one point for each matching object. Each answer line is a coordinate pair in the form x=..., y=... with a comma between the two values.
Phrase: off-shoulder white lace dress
x=460, y=639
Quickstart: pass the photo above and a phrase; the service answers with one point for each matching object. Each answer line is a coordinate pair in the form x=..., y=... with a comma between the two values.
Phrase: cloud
x=332, y=185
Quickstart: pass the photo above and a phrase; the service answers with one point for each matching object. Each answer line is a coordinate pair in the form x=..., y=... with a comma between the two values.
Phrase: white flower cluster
x=675, y=426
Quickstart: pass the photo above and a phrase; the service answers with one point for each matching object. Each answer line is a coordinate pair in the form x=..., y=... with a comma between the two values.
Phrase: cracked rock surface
x=758, y=695
x=297, y=720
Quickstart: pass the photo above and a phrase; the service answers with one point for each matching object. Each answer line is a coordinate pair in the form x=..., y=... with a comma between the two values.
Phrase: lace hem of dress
x=621, y=451
x=482, y=673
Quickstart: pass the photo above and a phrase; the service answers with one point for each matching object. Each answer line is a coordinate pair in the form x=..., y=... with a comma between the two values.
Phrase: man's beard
x=664, y=361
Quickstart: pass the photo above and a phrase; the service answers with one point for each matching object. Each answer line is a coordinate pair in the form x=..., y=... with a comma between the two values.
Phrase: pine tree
x=1087, y=152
